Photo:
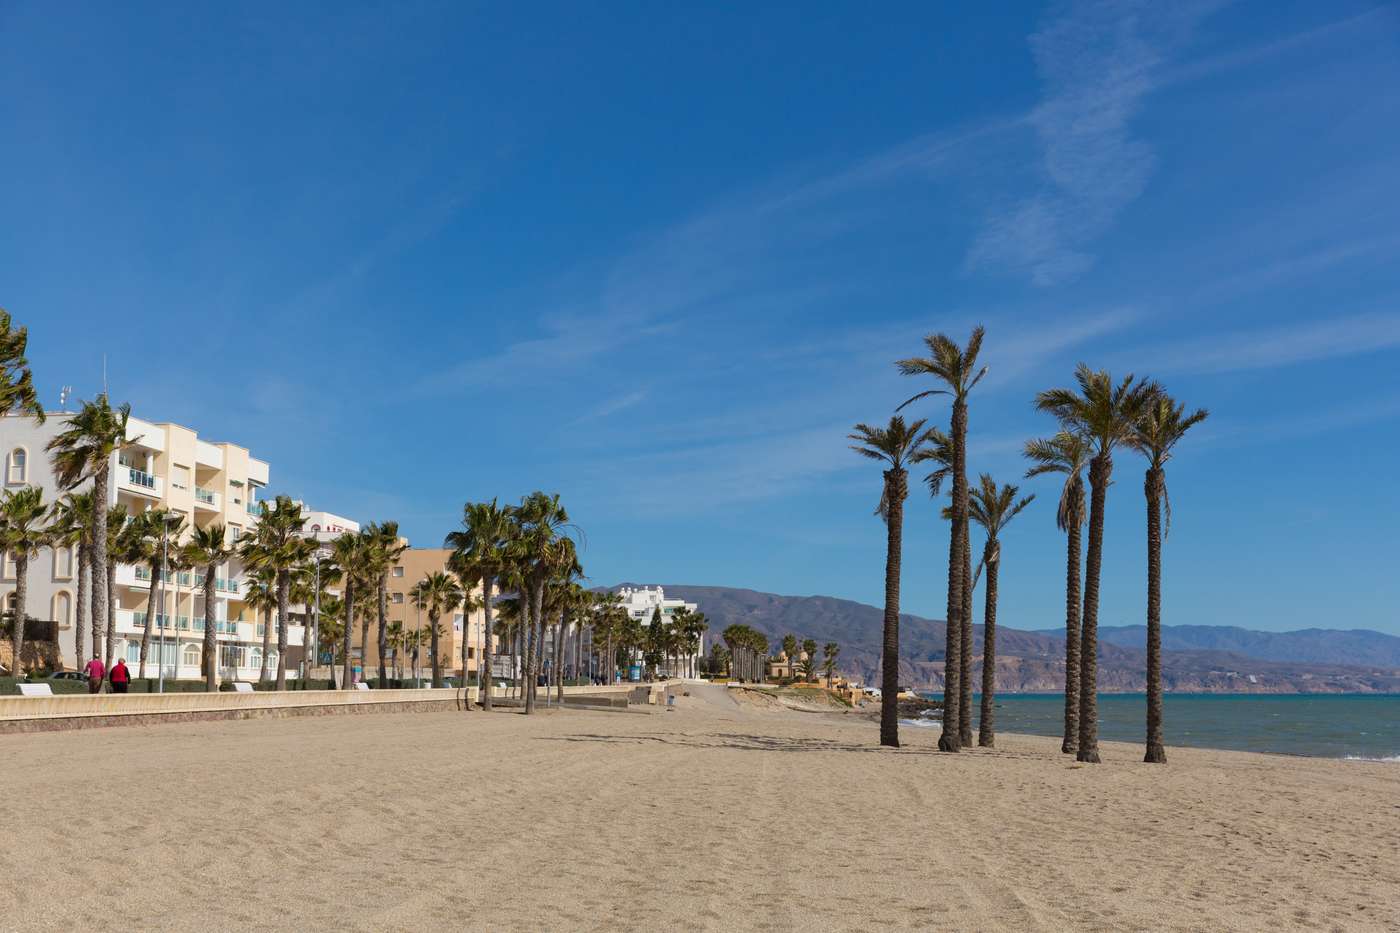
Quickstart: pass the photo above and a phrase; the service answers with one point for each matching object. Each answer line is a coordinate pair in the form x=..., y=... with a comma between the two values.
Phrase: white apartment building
x=642, y=602
x=163, y=466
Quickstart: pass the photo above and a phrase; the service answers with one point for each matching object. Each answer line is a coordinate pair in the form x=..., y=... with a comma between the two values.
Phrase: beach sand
x=712, y=816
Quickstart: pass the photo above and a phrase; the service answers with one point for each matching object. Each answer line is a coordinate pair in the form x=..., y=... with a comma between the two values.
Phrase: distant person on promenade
x=121, y=677
x=95, y=672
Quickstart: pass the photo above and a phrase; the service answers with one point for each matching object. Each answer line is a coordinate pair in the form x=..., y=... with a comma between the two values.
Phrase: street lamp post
x=164, y=578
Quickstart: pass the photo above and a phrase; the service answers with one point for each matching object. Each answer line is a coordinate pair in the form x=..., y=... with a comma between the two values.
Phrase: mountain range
x=1196, y=658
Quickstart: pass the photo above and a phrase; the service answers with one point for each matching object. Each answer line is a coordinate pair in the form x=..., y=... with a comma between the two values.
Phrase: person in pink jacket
x=95, y=671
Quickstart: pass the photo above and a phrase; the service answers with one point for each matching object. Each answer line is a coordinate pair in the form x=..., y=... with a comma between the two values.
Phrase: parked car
x=68, y=675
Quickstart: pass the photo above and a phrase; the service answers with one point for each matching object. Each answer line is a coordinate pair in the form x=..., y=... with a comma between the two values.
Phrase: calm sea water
x=1324, y=726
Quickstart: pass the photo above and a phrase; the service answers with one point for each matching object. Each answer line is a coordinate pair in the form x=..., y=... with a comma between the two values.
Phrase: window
x=133, y=652
x=63, y=609
x=396, y=598
x=398, y=571
x=180, y=477
x=272, y=658
x=10, y=570
x=189, y=655
x=255, y=658
x=234, y=533
x=18, y=471
x=10, y=602
x=230, y=656
x=63, y=563
x=457, y=622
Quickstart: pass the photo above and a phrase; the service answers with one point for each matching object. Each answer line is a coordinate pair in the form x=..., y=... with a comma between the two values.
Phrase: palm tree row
x=748, y=652
x=1095, y=418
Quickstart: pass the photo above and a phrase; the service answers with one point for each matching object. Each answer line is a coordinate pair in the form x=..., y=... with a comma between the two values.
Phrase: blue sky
x=659, y=259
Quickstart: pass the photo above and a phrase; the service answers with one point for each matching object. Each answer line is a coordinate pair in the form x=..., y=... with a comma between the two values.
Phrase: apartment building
x=461, y=626
x=642, y=602
x=168, y=466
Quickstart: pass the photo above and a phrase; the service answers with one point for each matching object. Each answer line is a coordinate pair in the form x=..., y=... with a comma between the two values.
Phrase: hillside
x=1357, y=647
x=1033, y=661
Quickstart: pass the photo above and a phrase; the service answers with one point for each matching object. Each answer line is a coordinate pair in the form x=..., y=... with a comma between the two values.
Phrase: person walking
x=121, y=677
x=95, y=672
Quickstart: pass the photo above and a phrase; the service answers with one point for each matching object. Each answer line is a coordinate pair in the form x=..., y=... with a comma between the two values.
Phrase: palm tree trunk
x=986, y=731
x=21, y=613
x=348, y=606
x=1072, y=623
x=486, y=657
x=1100, y=471
x=156, y=581
x=80, y=620
x=534, y=645
x=1155, y=482
x=266, y=645
x=437, y=655
x=383, y=633
x=102, y=570
x=211, y=644
x=284, y=586
x=896, y=488
x=965, y=659
x=559, y=660
x=109, y=608
x=364, y=646
x=951, y=740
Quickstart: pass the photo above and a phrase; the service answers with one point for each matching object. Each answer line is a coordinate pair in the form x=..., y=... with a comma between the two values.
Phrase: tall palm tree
x=156, y=537
x=830, y=651
x=16, y=381
x=1068, y=454
x=351, y=554
x=809, y=663
x=484, y=544
x=84, y=449
x=956, y=368
x=22, y=533
x=207, y=547
x=260, y=596
x=276, y=546
x=993, y=508
x=395, y=638
x=436, y=594
x=72, y=528
x=1161, y=425
x=895, y=445
x=385, y=545
x=790, y=652
x=1104, y=412
x=545, y=551
x=123, y=544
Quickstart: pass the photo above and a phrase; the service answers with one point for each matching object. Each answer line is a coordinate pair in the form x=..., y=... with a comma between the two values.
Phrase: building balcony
x=130, y=479
x=206, y=499
x=140, y=576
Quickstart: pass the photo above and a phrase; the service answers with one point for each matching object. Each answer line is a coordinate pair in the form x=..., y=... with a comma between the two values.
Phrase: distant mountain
x=1359, y=647
x=1029, y=661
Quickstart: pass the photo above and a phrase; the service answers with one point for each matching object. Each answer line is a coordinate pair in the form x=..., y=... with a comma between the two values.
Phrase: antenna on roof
x=63, y=394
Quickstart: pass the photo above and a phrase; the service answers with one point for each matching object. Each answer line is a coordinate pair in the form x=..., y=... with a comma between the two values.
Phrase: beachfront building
x=163, y=465
x=642, y=602
x=464, y=625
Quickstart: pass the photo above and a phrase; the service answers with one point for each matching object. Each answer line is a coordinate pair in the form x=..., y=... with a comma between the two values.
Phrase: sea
x=1354, y=726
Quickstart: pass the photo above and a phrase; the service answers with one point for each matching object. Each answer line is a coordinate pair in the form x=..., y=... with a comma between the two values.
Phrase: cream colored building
x=168, y=466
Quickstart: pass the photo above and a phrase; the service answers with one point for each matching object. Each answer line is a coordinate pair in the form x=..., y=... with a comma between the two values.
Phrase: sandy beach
x=712, y=816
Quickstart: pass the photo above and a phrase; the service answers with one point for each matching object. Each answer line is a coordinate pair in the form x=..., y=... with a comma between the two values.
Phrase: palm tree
x=208, y=548
x=436, y=594
x=16, y=381
x=1162, y=423
x=276, y=547
x=1068, y=454
x=993, y=508
x=155, y=535
x=790, y=652
x=22, y=534
x=350, y=553
x=544, y=551
x=395, y=639
x=385, y=546
x=122, y=544
x=809, y=663
x=1104, y=413
x=484, y=544
x=260, y=596
x=72, y=528
x=830, y=650
x=895, y=445
x=85, y=449
x=956, y=368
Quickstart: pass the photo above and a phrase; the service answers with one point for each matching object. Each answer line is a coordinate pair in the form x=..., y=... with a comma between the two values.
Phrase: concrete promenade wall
x=81, y=711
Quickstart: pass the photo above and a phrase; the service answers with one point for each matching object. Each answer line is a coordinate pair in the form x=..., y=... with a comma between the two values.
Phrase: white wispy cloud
x=1283, y=345
x=616, y=404
x=1097, y=62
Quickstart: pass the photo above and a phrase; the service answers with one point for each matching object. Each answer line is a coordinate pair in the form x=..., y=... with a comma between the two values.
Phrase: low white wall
x=65, y=706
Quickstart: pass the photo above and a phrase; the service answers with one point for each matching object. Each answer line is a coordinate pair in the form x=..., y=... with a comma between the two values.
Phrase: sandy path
x=709, y=817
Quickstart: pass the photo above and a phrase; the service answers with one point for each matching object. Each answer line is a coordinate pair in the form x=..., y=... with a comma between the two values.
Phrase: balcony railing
x=204, y=495
x=183, y=578
x=178, y=623
x=226, y=586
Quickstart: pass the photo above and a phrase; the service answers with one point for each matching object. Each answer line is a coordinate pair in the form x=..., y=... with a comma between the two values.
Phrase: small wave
x=1393, y=759
x=921, y=722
